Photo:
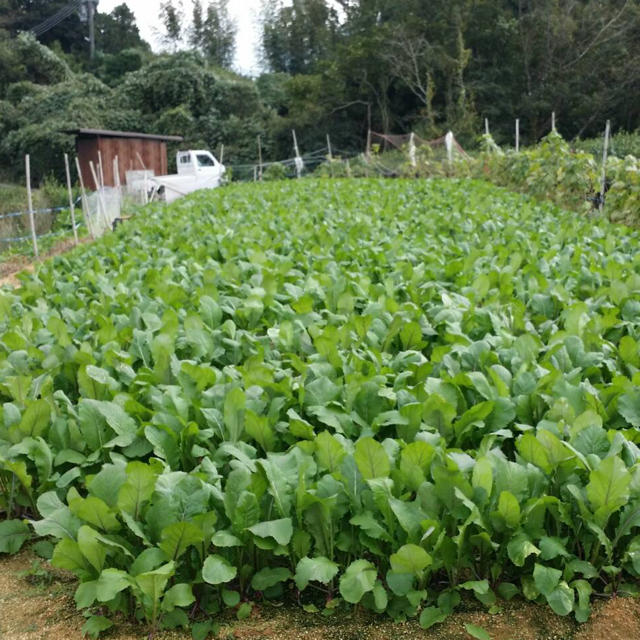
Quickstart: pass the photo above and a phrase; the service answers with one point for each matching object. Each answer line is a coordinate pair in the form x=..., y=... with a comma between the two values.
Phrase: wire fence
x=98, y=211
x=279, y=169
x=51, y=222
x=386, y=156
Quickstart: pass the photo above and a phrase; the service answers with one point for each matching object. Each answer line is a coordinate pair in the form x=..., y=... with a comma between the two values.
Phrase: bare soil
x=36, y=603
x=11, y=267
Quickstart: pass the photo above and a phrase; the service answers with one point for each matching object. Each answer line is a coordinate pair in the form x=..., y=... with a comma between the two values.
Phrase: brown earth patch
x=614, y=619
x=13, y=266
x=36, y=603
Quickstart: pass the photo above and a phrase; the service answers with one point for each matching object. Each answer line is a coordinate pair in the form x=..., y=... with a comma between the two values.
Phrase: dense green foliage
x=621, y=145
x=429, y=66
x=399, y=391
x=339, y=67
x=549, y=171
x=572, y=179
x=176, y=94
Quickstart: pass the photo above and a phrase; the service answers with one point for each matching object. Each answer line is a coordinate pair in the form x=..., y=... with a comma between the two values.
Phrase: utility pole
x=91, y=8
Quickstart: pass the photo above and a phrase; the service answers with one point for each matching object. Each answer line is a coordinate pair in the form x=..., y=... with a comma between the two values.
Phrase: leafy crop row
x=384, y=394
x=551, y=171
x=554, y=171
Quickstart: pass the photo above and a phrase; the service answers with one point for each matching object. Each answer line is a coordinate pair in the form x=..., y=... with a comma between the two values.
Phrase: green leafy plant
x=384, y=394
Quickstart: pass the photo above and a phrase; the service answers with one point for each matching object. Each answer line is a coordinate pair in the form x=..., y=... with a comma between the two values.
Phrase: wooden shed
x=135, y=151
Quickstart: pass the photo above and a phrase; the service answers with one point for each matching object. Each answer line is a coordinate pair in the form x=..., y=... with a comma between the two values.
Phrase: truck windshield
x=205, y=161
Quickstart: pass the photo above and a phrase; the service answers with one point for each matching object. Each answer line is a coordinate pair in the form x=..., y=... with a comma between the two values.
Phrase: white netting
x=102, y=209
x=405, y=142
x=389, y=152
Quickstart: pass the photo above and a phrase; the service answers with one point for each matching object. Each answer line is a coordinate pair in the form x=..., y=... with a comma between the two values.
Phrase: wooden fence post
x=259, y=159
x=605, y=154
x=517, y=135
x=85, y=202
x=27, y=162
x=72, y=208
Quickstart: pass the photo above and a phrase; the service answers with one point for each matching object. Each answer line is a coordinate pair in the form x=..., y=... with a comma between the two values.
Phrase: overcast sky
x=244, y=11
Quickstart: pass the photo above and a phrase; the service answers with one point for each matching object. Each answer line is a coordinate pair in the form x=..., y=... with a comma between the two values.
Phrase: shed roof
x=101, y=133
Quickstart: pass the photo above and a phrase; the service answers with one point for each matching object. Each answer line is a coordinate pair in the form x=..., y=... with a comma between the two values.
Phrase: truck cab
x=198, y=163
x=197, y=169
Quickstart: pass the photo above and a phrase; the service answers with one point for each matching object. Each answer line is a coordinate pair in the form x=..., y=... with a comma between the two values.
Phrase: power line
x=57, y=18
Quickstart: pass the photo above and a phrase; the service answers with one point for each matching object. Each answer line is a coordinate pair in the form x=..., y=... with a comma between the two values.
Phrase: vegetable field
x=382, y=394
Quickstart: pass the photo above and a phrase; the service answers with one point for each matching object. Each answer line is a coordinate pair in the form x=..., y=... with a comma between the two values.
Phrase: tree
x=214, y=34
x=297, y=37
x=411, y=58
x=24, y=15
x=172, y=18
x=117, y=31
x=196, y=32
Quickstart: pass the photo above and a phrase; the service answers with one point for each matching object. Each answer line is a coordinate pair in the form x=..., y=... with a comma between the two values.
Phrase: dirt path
x=10, y=268
x=36, y=603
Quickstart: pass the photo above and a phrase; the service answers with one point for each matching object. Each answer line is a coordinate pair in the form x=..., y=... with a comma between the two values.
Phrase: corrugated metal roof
x=101, y=133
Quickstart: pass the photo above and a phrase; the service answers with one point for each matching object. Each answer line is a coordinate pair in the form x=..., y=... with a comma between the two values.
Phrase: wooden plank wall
x=129, y=151
x=87, y=150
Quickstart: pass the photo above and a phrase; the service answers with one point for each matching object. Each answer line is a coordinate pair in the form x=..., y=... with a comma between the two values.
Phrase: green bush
x=550, y=171
x=276, y=171
x=14, y=198
x=42, y=64
x=335, y=168
x=622, y=144
x=46, y=145
x=623, y=198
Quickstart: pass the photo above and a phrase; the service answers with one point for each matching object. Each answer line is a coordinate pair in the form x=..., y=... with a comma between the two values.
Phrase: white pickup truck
x=197, y=169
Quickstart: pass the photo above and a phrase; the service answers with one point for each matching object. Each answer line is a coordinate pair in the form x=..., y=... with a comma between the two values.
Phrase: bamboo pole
x=259, y=159
x=85, y=202
x=412, y=150
x=94, y=175
x=72, y=208
x=517, y=135
x=116, y=172
x=448, y=141
x=297, y=150
x=330, y=156
x=295, y=143
x=146, y=184
x=101, y=206
x=141, y=161
x=605, y=153
x=117, y=183
x=27, y=162
x=100, y=169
